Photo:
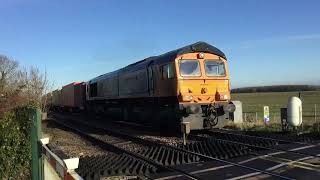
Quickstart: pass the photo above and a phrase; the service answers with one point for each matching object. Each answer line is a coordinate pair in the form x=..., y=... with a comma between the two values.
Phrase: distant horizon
x=276, y=84
x=279, y=85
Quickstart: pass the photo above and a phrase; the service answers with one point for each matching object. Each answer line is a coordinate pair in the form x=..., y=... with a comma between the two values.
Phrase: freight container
x=47, y=100
x=73, y=96
x=56, y=98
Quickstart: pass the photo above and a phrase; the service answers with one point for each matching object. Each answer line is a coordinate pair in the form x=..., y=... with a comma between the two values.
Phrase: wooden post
x=36, y=162
x=256, y=116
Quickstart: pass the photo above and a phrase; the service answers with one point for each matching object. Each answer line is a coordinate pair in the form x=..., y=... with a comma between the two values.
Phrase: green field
x=253, y=103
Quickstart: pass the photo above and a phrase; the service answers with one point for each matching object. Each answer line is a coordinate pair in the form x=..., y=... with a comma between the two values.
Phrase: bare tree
x=19, y=86
x=36, y=86
x=8, y=70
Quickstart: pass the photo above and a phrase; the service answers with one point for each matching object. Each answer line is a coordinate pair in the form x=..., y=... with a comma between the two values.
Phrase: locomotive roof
x=166, y=57
x=195, y=47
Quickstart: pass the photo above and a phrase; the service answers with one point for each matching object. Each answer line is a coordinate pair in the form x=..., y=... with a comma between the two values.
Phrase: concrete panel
x=236, y=116
x=49, y=171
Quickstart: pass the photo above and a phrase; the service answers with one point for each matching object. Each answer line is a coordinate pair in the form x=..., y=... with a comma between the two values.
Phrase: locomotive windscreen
x=214, y=68
x=190, y=68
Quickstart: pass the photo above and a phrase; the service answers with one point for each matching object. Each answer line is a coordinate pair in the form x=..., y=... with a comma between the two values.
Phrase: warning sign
x=266, y=116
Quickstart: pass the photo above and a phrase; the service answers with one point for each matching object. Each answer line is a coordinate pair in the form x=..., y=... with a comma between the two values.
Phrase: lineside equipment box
x=236, y=116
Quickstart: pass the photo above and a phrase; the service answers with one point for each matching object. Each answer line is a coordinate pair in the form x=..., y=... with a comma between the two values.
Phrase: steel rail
x=235, y=164
x=276, y=153
x=262, y=147
x=258, y=137
x=283, y=160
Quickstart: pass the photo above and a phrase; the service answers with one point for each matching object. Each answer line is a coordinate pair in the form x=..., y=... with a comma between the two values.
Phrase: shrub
x=15, y=144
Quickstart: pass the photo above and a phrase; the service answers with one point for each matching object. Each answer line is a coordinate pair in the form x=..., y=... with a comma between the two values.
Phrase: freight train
x=189, y=84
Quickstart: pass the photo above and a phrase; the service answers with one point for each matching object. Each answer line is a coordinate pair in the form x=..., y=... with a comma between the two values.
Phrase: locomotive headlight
x=200, y=56
x=224, y=97
x=187, y=98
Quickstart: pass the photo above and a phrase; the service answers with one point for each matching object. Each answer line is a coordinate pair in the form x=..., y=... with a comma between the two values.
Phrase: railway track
x=146, y=166
x=164, y=157
x=255, y=143
x=300, y=139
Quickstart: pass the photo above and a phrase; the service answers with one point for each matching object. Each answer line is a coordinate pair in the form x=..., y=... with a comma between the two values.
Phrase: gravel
x=173, y=141
x=123, y=144
x=71, y=144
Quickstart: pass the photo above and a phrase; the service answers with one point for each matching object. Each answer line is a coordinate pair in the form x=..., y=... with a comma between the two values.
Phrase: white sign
x=266, y=115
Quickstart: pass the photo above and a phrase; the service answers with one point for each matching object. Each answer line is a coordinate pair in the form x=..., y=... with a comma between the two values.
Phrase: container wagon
x=73, y=96
x=56, y=100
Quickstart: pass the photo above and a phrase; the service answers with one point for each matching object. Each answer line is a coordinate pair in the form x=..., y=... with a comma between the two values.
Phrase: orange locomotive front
x=203, y=88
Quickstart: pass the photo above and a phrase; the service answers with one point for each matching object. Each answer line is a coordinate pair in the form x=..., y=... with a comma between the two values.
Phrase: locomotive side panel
x=103, y=87
x=110, y=87
x=167, y=80
x=156, y=74
x=133, y=84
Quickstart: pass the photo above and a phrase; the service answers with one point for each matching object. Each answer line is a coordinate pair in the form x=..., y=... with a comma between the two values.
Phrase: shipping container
x=56, y=98
x=47, y=99
x=73, y=95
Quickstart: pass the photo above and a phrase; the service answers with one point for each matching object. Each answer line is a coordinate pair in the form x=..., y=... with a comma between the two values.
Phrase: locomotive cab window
x=168, y=71
x=189, y=68
x=215, y=68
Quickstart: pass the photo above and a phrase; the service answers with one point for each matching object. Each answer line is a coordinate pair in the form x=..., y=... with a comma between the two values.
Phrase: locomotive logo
x=204, y=90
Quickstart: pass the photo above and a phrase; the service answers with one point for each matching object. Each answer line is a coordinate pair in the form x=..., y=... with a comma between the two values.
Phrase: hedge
x=15, y=145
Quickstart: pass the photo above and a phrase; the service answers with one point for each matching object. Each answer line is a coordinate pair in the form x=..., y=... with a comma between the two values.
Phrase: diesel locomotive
x=189, y=84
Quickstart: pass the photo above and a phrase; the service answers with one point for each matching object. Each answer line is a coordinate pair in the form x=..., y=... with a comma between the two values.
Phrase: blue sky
x=266, y=41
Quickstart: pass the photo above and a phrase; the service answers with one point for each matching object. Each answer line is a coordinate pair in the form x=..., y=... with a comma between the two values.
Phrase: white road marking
x=248, y=160
x=287, y=163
